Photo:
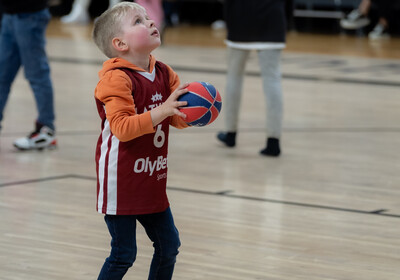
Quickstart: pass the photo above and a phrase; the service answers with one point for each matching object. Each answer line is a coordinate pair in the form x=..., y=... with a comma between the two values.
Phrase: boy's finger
x=181, y=91
x=185, y=85
x=179, y=113
x=182, y=103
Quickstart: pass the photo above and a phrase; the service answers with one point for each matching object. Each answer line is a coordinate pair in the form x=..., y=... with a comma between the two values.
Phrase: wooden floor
x=327, y=209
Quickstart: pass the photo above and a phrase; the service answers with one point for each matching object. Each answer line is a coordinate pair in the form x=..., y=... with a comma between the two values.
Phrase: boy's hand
x=171, y=106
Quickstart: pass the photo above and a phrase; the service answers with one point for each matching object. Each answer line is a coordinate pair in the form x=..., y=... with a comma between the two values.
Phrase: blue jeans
x=161, y=230
x=22, y=43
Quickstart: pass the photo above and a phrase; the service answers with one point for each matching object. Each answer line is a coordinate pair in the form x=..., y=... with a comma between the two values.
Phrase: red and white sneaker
x=42, y=138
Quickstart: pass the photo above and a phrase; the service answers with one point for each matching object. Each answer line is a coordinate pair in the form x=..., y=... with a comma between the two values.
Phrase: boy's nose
x=151, y=23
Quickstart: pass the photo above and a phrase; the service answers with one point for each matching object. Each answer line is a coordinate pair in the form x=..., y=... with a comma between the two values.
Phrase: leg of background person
x=234, y=83
x=235, y=74
x=9, y=60
x=364, y=7
x=32, y=48
x=357, y=18
x=79, y=13
x=385, y=12
x=271, y=76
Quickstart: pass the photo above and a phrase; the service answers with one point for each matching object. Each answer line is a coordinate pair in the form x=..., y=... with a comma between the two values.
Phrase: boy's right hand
x=171, y=106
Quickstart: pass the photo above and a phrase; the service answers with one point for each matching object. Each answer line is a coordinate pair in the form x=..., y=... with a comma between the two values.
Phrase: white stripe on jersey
x=105, y=135
x=112, y=177
x=111, y=171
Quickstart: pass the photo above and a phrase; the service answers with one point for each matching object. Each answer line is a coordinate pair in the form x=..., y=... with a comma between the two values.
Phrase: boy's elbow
x=126, y=129
x=120, y=132
x=120, y=136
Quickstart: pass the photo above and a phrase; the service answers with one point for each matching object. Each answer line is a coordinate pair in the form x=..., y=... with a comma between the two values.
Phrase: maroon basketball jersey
x=132, y=176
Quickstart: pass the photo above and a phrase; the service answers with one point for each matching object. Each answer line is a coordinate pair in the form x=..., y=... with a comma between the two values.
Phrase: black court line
x=374, y=129
x=178, y=68
x=229, y=194
x=205, y=130
x=225, y=193
x=34, y=181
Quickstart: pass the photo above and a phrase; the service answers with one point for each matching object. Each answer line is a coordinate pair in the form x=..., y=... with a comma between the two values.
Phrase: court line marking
x=178, y=68
x=205, y=130
x=224, y=193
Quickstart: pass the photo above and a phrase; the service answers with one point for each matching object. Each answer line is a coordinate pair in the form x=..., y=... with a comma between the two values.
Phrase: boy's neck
x=142, y=61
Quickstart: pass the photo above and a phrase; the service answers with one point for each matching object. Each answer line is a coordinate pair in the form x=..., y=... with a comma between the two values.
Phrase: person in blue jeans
x=22, y=43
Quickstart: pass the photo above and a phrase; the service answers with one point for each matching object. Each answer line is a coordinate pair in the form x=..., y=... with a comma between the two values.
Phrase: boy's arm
x=174, y=82
x=115, y=91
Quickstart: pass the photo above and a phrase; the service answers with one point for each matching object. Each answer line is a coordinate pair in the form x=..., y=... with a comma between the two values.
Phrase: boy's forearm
x=158, y=115
x=128, y=128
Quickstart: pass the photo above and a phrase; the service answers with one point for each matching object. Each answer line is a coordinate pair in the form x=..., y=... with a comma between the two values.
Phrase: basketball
x=204, y=104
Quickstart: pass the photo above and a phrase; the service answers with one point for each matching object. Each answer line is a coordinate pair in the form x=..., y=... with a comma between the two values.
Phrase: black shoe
x=228, y=138
x=272, y=149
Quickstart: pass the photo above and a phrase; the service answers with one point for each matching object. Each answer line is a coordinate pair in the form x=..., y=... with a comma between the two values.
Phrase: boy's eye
x=138, y=21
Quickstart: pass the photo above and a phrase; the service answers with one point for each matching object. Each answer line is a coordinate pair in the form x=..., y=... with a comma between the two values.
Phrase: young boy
x=137, y=101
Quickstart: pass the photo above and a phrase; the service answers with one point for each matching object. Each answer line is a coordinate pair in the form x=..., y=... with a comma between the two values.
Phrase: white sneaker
x=42, y=138
x=354, y=20
x=379, y=32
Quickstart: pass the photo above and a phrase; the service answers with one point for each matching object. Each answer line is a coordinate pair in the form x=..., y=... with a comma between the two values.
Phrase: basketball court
x=327, y=208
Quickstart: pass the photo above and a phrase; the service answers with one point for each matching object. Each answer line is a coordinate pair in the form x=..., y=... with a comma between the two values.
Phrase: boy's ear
x=119, y=44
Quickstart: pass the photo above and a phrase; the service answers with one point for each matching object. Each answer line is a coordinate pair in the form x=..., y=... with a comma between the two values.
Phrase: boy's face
x=139, y=32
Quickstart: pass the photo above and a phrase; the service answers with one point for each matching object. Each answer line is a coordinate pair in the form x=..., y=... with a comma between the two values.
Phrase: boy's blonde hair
x=108, y=25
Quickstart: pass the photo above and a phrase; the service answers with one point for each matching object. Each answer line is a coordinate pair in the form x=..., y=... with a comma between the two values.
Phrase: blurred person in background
x=154, y=10
x=258, y=25
x=22, y=43
x=388, y=15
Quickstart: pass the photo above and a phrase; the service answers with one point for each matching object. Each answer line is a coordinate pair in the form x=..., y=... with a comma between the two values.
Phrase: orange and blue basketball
x=204, y=104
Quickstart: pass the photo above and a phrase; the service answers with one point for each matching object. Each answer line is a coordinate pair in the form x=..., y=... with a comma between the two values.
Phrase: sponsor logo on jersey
x=145, y=165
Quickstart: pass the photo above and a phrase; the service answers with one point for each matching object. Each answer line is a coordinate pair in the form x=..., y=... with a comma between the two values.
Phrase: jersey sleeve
x=114, y=90
x=174, y=82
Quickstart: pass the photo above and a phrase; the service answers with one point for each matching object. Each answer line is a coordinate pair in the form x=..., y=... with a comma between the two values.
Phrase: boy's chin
x=156, y=45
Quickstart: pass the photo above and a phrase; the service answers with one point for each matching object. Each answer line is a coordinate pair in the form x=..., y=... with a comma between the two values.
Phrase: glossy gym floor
x=327, y=208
